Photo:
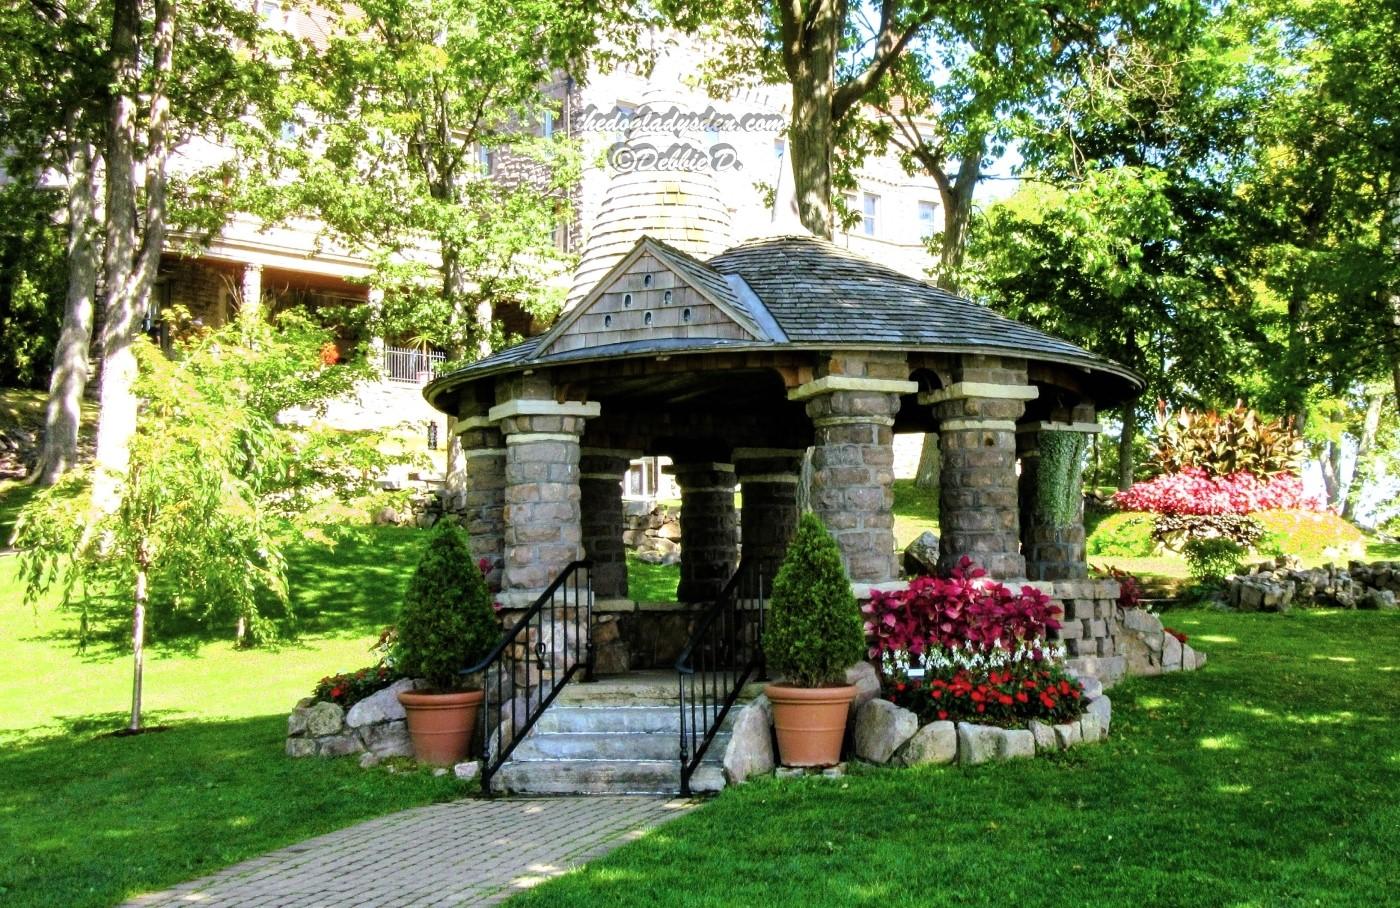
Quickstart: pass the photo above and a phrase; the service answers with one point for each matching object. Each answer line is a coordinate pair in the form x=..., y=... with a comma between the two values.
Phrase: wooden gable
x=644, y=299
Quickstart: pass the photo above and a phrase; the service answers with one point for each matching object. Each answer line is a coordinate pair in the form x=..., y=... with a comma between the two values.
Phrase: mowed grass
x=1269, y=778
x=88, y=819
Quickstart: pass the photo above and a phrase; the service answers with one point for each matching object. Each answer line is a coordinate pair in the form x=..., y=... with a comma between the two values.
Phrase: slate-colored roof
x=822, y=293
x=819, y=294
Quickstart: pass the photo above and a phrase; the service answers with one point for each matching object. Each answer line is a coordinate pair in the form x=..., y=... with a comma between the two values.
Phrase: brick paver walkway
x=462, y=853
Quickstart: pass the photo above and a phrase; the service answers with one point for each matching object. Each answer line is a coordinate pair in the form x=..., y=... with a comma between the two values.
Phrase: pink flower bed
x=1193, y=491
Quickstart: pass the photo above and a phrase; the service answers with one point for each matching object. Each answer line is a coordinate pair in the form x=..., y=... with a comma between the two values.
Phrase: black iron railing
x=549, y=644
x=725, y=652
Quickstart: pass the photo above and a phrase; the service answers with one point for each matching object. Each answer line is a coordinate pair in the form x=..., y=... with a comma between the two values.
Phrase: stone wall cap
x=527, y=407
x=1091, y=428
x=829, y=384
x=961, y=389
x=765, y=453
x=473, y=422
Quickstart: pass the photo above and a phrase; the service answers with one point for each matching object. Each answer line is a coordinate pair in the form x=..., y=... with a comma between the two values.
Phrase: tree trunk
x=1126, y=438
x=1331, y=472
x=809, y=56
x=957, y=216
x=1393, y=297
x=1369, y=427
x=138, y=643
x=70, y=362
x=930, y=466
x=131, y=258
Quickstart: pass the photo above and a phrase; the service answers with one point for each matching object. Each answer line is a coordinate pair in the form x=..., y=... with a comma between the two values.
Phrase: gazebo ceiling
x=789, y=293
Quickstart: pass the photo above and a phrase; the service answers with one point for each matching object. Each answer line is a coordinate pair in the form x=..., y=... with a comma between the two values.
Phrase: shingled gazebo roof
x=805, y=293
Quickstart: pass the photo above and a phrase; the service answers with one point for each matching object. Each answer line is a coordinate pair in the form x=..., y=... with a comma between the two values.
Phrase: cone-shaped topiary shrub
x=814, y=631
x=446, y=622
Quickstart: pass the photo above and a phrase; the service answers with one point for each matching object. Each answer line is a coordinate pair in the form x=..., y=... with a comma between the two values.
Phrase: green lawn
x=87, y=819
x=1267, y=779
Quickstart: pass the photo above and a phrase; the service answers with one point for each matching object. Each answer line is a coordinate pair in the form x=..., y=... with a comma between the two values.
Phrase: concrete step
x=602, y=777
x=610, y=746
x=641, y=687
x=563, y=718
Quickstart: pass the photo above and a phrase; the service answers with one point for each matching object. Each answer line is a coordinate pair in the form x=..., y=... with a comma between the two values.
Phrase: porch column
x=978, y=507
x=709, y=529
x=374, y=299
x=250, y=287
x=603, y=520
x=852, y=411
x=543, y=527
x=769, y=477
x=1052, y=498
x=482, y=497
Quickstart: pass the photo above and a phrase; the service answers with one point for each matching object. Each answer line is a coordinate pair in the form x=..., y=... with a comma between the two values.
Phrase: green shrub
x=447, y=622
x=815, y=631
x=1226, y=442
x=1212, y=560
x=1174, y=530
x=1125, y=534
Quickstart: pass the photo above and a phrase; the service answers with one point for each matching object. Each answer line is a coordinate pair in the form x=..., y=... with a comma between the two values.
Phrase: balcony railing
x=411, y=366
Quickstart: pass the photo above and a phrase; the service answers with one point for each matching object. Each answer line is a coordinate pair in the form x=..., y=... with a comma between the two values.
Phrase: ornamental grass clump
x=447, y=622
x=814, y=626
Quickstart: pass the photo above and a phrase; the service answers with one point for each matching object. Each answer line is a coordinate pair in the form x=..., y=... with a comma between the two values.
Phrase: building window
x=779, y=148
x=270, y=10
x=486, y=158
x=870, y=208
x=547, y=126
x=926, y=212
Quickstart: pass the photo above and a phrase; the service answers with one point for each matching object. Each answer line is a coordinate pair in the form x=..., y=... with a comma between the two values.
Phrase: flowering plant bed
x=1194, y=491
x=989, y=687
x=348, y=688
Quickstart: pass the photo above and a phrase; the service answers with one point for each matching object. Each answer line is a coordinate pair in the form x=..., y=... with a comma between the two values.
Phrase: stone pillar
x=769, y=477
x=852, y=408
x=603, y=520
x=709, y=529
x=482, y=497
x=978, y=503
x=250, y=288
x=543, y=527
x=1052, y=498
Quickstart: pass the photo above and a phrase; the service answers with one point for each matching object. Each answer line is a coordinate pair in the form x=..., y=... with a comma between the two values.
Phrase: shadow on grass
x=90, y=819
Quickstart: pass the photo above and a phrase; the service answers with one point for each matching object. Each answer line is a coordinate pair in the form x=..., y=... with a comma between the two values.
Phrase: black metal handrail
x=522, y=695
x=724, y=651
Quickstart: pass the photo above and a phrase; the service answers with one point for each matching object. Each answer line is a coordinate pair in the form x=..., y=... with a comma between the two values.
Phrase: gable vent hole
x=666, y=298
x=686, y=314
x=646, y=280
x=627, y=301
x=607, y=321
x=646, y=319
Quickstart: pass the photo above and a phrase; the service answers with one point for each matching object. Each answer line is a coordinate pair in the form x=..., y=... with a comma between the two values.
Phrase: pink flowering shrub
x=1193, y=491
x=954, y=612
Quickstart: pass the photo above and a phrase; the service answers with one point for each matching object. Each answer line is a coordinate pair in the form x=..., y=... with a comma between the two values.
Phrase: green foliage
x=1174, y=531
x=814, y=630
x=1310, y=535
x=1060, y=471
x=33, y=280
x=1226, y=442
x=1211, y=560
x=1126, y=534
x=447, y=622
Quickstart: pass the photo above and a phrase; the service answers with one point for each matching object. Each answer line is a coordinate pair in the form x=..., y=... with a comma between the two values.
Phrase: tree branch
x=888, y=47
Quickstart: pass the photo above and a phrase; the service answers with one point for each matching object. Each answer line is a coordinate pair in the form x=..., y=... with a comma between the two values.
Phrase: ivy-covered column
x=1052, y=498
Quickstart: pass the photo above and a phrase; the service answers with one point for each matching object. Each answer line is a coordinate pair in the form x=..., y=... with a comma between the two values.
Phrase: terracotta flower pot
x=811, y=722
x=441, y=725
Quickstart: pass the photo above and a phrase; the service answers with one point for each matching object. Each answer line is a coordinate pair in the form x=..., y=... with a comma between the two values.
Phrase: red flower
x=943, y=714
x=1021, y=697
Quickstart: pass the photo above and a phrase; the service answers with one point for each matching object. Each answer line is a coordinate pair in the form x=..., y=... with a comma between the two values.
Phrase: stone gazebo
x=733, y=367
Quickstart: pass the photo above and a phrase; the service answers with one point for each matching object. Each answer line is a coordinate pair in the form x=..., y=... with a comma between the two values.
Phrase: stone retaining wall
x=375, y=726
x=1282, y=584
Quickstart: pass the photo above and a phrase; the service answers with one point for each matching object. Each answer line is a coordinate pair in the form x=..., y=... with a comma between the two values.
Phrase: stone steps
x=613, y=736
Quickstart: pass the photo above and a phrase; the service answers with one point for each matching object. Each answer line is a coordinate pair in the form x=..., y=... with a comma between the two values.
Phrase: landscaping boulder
x=867, y=682
x=1102, y=708
x=339, y=745
x=978, y=743
x=388, y=739
x=1171, y=653
x=323, y=719
x=382, y=706
x=881, y=729
x=1090, y=729
x=921, y=555
x=1093, y=687
x=1044, y=735
x=301, y=747
x=936, y=742
x=750, y=750
x=1067, y=735
x=468, y=770
x=1016, y=743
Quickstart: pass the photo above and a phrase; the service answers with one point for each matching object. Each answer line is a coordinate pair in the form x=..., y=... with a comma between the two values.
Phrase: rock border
x=375, y=726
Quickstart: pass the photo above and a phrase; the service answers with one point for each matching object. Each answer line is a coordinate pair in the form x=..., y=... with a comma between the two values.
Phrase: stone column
x=769, y=477
x=543, y=527
x=709, y=529
x=603, y=520
x=852, y=409
x=1052, y=499
x=250, y=288
x=374, y=299
x=482, y=498
x=978, y=503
